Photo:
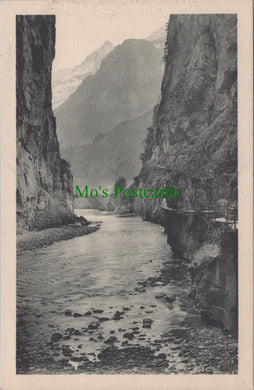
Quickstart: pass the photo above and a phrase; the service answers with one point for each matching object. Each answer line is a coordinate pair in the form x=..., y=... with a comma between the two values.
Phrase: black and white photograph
x=127, y=189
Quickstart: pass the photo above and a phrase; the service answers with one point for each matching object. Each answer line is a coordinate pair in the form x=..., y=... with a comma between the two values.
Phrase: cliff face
x=66, y=81
x=193, y=141
x=192, y=144
x=212, y=250
x=44, y=180
x=187, y=232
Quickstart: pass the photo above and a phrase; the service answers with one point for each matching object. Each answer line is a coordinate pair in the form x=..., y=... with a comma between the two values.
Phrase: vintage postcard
x=127, y=194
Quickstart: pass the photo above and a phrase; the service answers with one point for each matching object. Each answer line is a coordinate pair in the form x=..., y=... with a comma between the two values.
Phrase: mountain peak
x=107, y=43
x=138, y=48
x=132, y=42
x=66, y=81
x=105, y=48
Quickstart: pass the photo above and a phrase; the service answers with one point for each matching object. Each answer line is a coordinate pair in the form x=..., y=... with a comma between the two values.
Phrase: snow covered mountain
x=66, y=81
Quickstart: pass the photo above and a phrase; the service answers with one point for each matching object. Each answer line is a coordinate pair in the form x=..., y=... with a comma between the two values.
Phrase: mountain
x=66, y=81
x=111, y=155
x=158, y=37
x=44, y=192
x=126, y=86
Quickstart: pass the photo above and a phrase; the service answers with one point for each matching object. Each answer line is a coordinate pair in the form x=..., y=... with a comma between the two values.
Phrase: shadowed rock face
x=44, y=180
x=212, y=249
x=199, y=84
x=215, y=283
x=194, y=136
x=193, y=146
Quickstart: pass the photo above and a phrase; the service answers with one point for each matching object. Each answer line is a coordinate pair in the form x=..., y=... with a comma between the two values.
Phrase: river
x=114, y=301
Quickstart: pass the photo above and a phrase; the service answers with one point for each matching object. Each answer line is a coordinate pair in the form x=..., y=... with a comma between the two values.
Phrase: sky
x=82, y=27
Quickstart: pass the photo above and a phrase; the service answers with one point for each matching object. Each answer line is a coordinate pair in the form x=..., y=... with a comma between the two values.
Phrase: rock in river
x=118, y=315
x=167, y=298
x=111, y=340
x=56, y=337
x=88, y=313
x=93, y=325
x=129, y=336
x=147, y=323
x=103, y=319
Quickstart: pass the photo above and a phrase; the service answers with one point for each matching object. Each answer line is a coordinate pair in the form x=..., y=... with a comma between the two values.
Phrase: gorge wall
x=44, y=181
x=192, y=145
x=214, y=274
x=211, y=250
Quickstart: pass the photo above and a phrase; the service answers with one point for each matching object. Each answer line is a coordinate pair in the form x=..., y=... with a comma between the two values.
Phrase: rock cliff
x=192, y=144
x=211, y=250
x=193, y=141
x=44, y=181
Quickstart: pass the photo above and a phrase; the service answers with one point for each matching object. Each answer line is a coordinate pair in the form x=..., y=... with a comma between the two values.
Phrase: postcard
x=127, y=194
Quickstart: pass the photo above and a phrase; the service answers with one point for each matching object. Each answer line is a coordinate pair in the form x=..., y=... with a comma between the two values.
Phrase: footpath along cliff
x=192, y=144
x=44, y=180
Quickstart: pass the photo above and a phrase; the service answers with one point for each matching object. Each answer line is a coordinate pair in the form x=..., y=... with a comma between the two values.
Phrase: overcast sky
x=82, y=27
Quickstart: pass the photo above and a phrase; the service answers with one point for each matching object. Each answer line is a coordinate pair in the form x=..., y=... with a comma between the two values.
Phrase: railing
x=225, y=215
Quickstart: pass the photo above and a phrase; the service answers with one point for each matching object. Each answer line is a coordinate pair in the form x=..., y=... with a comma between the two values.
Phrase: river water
x=114, y=301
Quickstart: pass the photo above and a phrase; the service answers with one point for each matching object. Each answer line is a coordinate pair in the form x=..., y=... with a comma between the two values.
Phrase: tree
x=148, y=149
x=121, y=182
x=136, y=181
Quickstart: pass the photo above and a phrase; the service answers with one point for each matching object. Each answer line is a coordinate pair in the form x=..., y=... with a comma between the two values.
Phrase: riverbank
x=43, y=238
x=114, y=341
x=114, y=302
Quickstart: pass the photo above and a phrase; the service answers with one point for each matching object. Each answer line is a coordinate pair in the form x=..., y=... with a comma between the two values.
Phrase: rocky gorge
x=192, y=144
x=44, y=180
x=120, y=300
x=192, y=141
